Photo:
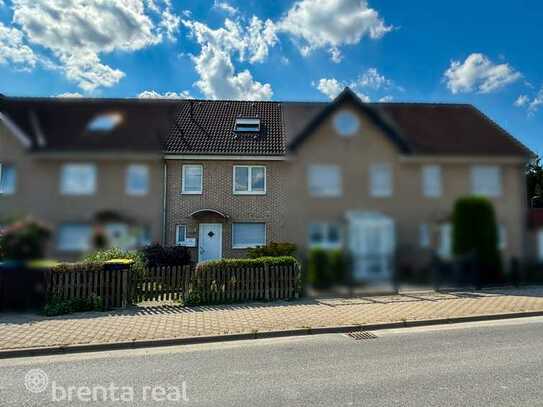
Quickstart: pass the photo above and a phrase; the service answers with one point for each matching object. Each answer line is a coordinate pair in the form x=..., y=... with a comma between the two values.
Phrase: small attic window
x=247, y=125
x=105, y=122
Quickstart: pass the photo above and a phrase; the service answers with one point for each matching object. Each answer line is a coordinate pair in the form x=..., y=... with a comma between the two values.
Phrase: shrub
x=318, y=273
x=101, y=256
x=261, y=261
x=274, y=249
x=24, y=240
x=475, y=232
x=157, y=255
x=338, y=265
x=59, y=306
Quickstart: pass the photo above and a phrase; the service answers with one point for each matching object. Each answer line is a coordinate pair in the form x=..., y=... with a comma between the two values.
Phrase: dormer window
x=247, y=125
x=105, y=122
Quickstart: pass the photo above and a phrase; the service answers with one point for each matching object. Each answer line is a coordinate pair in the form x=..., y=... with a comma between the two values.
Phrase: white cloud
x=335, y=55
x=373, y=79
x=522, y=101
x=478, y=73
x=70, y=95
x=225, y=7
x=218, y=77
x=386, y=99
x=331, y=23
x=79, y=31
x=13, y=51
x=152, y=94
x=536, y=102
x=331, y=87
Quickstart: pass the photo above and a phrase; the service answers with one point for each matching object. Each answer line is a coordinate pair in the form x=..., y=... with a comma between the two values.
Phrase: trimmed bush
x=261, y=261
x=59, y=306
x=338, y=265
x=101, y=256
x=158, y=255
x=24, y=240
x=274, y=249
x=475, y=233
x=318, y=269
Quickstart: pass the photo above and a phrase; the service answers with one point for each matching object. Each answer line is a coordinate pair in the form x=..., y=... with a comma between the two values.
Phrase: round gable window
x=346, y=123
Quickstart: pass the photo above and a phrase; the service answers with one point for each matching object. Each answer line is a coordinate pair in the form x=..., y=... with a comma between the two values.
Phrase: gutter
x=164, y=200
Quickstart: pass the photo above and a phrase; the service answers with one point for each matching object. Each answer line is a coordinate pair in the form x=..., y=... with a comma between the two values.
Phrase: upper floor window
x=247, y=125
x=325, y=180
x=78, y=179
x=486, y=180
x=325, y=235
x=346, y=123
x=74, y=237
x=105, y=122
x=137, y=179
x=431, y=181
x=192, y=182
x=7, y=179
x=249, y=179
x=380, y=180
x=245, y=235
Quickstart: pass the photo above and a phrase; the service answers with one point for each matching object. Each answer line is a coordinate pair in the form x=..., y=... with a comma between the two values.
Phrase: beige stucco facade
x=37, y=191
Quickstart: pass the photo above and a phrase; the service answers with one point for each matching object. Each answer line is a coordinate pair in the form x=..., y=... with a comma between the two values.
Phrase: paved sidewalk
x=152, y=321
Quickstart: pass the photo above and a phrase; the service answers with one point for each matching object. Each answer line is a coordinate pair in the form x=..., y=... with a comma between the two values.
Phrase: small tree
x=318, y=269
x=24, y=240
x=475, y=233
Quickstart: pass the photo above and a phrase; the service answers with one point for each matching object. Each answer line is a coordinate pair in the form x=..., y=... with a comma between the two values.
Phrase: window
x=325, y=181
x=486, y=180
x=247, y=125
x=431, y=181
x=325, y=235
x=245, y=235
x=502, y=237
x=7, y=179
x=105, y=122
x=445, y=241
x=346, y=123
x=192, y=182
x=424, y=235
x=180, y=234
x=540, y=245
x=249, y=179
x=74, y=237
x=137, y=180
x=78, y=179
x=380, y=180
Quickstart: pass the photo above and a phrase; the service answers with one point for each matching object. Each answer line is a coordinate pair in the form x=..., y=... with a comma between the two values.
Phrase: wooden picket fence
x=121, y=287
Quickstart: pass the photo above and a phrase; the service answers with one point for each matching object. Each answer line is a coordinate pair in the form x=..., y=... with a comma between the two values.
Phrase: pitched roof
x=207, y=127
x=419, y=128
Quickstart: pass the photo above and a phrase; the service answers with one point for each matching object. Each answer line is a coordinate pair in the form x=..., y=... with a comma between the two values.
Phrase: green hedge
x=261, y=261
x=475, y=232
x=274, y=249
x=326, y=267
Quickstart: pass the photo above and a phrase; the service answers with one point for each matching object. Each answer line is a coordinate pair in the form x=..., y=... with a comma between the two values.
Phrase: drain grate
x=360, y=335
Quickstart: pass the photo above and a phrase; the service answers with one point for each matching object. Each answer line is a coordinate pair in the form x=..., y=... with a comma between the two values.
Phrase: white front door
x=372, y=243
x=210, y=241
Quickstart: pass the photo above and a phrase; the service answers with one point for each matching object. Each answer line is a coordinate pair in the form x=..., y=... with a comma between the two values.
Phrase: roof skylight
x=247, y=125
x=105, y=122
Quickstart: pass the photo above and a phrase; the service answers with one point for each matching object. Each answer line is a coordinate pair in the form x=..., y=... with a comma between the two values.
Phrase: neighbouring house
x=377, y=179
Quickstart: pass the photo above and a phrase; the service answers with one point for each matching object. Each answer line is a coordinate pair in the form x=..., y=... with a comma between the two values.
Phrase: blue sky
x=482, y=52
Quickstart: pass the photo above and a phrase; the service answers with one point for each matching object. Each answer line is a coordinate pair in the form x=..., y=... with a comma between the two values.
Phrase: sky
x=483, y=52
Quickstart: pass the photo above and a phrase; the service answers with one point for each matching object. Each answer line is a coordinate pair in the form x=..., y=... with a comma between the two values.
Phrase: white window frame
x=66, y=191
x=183, y=173
x=540, y=245
x=445, y=249
x=432, y=181
x=313, y=179
x=12, y=190
x=482, y=187
x=74, y=249
x=326, y=244
x=137, y=167
x=377, y=191
x=249, y=180
x=179, y=242
x=251, y=245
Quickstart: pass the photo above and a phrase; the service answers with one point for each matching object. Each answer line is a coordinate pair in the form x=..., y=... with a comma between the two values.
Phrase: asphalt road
x=496, y=363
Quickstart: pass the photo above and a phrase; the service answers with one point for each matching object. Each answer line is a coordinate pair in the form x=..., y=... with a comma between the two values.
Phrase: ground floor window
x=180, y=234
x=325, y=235
x=540, y=245
x=245, y=235
x=74, y=237
x=445, y=241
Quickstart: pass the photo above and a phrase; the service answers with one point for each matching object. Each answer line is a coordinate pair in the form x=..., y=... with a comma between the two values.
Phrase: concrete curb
x=192, y=340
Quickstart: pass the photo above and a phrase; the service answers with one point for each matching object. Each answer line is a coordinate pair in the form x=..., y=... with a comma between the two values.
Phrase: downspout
x=164, y=200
